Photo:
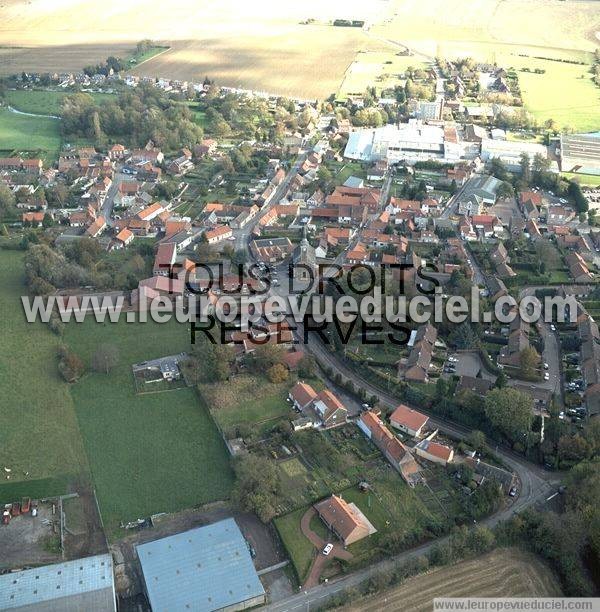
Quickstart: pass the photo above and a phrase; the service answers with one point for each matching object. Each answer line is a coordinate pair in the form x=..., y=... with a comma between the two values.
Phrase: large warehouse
x=208, y=568
x=83, y=584
x=510, y=151
x=407, y=142
x=580, y=153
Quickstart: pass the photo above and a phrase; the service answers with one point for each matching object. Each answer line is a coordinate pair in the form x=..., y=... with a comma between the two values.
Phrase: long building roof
x=208, y=568
x=82, y=584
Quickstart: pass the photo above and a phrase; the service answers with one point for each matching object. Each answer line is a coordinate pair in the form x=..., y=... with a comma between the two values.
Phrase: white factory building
x=407, y=142
x=509, y=152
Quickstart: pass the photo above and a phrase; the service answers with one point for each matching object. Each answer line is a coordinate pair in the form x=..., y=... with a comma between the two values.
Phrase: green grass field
x=39, y=433
x=299, y=547
x=565, y=92
x=23, y=133
x=150, y=453
x=42, y=102
x=592, y=180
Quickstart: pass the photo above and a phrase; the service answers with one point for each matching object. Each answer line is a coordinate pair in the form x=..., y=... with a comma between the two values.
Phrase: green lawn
x=23, y=133
x=299, y=547
x=42, y=102
x=565, y=92
x=592, y=180
x=39, y=433
x=148, y=453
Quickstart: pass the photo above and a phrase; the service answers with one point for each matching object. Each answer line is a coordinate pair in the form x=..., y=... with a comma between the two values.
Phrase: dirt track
x=502, y=573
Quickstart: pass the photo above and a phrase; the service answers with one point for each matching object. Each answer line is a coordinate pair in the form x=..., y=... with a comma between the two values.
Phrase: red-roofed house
x=165, y=258
x=408, y=420
x=394, y=451
x=218, y=234
x=35, y=219
x=123, y=238
x=302, y=395
x=434, y=451
x=345, y=520
x=97, y=227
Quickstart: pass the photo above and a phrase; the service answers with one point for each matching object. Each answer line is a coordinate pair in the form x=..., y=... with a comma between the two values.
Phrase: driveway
x=321, y=560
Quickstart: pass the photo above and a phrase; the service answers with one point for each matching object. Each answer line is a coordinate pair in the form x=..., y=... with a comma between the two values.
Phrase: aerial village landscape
x=148, y=465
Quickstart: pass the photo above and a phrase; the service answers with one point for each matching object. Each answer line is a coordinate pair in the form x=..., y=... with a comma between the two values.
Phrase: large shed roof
x=207, y=568
x=82, y=584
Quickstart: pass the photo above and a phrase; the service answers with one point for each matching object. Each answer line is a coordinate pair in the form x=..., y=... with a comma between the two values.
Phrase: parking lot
x=467, y=364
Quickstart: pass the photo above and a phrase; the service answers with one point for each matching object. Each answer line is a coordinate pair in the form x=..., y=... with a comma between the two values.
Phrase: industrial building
x=72, y=586
x=580, y=153
x=407, y=142
x=509, y=152
x=208, y=568
x=478, y=193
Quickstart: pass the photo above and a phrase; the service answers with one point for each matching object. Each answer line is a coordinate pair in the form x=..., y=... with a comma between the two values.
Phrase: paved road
x=536, y=485
x=242, y=235
x=109, y=201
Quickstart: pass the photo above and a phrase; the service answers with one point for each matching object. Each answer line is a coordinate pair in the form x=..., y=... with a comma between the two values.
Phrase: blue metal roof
x=79, y=583
x=207, y=568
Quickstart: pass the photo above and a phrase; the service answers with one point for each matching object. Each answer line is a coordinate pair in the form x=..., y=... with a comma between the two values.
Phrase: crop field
x=383, y=70
x=459, y=26
x=24, y=133
x=501, y=573
x=284, y=47
x=164, y=443
x=39, y=437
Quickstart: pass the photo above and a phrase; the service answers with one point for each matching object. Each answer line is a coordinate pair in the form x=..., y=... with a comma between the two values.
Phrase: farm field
x=565, y=92
x=41, y=102
x=381, y=69
x=148, y=453
x=24, y=133
x=39, y=435
x=501, y=573
x=283, y=47
x=458, y=26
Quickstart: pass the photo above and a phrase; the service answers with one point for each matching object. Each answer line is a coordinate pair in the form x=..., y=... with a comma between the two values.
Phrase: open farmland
x=268, y=46
x=39, y=437
x=148, y=453
x=564, y=92
x=501, y=573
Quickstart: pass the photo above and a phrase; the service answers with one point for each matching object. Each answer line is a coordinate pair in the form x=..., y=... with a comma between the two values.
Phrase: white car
x=328, y=548
x=232, y=238
x=546, y=376
x=553, y=328
x=546, y=366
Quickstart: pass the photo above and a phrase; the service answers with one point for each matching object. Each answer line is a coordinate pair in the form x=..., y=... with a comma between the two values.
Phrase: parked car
x=546, y=376
x=513, y=491
x=546, y=366
x=328, y=548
